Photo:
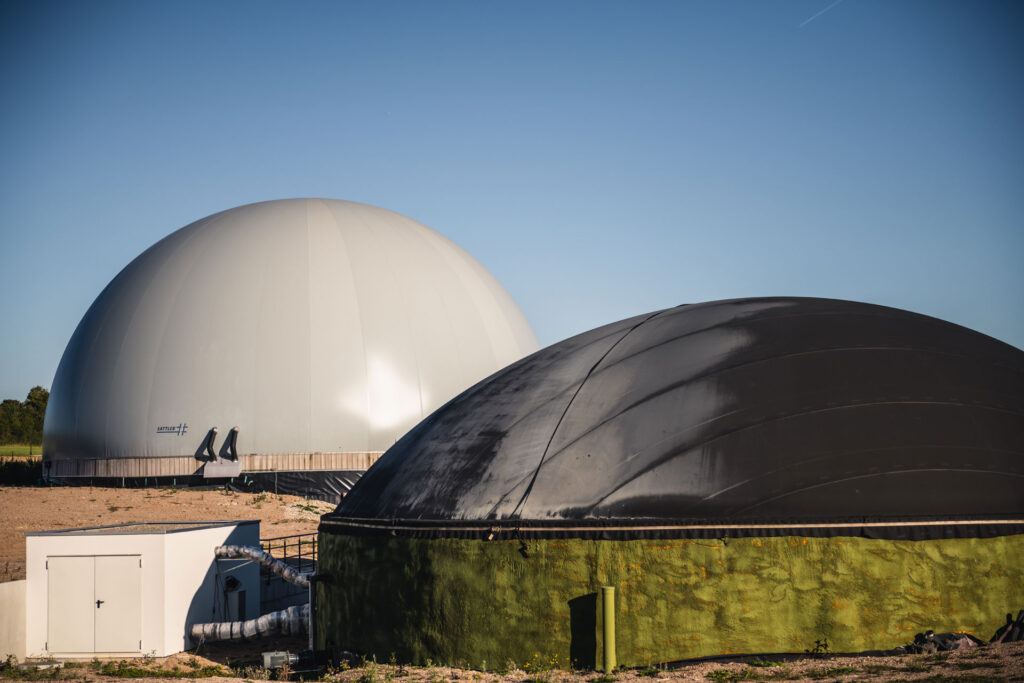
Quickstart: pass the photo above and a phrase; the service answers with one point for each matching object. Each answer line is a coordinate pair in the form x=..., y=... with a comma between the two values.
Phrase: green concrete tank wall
x=474, y=601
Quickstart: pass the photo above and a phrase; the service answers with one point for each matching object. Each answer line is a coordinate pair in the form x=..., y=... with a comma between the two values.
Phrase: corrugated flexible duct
x=287, y=622
x=282, y=569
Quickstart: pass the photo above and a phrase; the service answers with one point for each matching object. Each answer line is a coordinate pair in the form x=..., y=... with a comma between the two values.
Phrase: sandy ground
x=990, y=663
x=39, y=509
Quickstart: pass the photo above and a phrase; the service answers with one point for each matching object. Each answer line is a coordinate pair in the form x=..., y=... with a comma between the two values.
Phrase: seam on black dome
x=533, y=479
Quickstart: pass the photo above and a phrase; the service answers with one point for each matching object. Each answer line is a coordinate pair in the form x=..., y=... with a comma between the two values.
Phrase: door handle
x=98, y=603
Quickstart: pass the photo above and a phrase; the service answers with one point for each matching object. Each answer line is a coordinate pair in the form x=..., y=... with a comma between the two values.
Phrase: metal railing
x=298, y=549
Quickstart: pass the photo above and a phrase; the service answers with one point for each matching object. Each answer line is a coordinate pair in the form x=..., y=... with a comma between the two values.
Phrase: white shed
x=134, y=589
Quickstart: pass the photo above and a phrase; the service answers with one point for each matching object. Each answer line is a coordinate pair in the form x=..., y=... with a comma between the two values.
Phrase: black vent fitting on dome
x=229, y=450
x=209, y=446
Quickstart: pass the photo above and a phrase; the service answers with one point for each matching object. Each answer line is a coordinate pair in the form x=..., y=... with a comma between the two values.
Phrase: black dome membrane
x=737, y=410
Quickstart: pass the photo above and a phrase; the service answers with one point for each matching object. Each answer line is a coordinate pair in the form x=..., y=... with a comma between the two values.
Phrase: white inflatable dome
x=314, y=326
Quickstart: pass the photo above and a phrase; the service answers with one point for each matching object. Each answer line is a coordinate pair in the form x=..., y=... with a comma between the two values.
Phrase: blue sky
x=601, y=159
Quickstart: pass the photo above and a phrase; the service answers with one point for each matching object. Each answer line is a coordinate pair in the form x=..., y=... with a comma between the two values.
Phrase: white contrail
x=815, y=16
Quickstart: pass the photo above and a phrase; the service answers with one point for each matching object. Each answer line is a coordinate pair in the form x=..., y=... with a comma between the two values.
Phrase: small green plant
x=820, y=647
x=606, y=678
x=125, y=669
x=650, y=672
x=257, y=673
x=765, y=663
x=369, y=674
x=9, y=669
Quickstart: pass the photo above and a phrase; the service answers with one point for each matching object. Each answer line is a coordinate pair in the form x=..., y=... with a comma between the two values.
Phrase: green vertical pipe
x=608, y=607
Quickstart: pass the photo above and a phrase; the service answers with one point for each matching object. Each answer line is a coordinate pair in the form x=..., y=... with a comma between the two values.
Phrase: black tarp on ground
x=739, y=410
x=327, y=485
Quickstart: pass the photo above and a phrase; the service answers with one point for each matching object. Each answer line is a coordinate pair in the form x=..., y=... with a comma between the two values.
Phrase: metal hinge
x=140, y=567
x=140, y=642
x=47, y=564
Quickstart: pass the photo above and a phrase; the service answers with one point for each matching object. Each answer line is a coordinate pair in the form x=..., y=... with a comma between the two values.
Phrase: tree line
x=22, y=421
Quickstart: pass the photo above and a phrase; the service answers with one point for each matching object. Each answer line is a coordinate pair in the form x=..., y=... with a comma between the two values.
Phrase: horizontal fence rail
x=297, y=548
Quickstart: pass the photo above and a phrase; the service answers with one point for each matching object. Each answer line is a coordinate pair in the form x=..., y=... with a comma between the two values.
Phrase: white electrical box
x=134, y=589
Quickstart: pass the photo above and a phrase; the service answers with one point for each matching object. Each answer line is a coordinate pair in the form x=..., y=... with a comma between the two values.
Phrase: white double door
x=94, y=603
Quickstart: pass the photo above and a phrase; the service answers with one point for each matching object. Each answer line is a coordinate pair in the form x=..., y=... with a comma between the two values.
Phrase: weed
x=257, y=673
x=606, y=678
x=124, y=669
x=650, y=672
x=820, y=647
x=541, y=664
x=765, y=663
x=9, y=669
x=369, y=674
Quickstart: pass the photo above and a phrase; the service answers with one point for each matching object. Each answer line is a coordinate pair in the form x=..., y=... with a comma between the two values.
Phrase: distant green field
x=20, y=449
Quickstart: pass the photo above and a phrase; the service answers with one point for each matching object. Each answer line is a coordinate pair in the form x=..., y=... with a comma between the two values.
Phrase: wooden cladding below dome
x=182, y=466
